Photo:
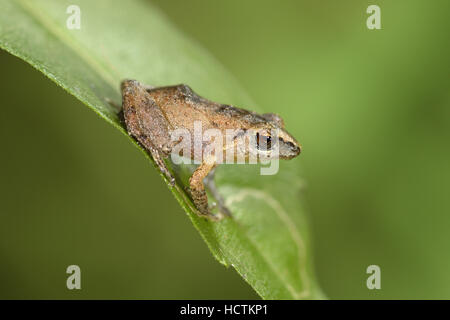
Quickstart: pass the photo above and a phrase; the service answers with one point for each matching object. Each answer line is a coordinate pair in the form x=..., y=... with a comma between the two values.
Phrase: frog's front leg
x=198, y=192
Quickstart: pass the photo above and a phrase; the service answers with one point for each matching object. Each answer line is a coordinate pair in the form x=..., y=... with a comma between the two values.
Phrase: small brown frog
x=151, y=114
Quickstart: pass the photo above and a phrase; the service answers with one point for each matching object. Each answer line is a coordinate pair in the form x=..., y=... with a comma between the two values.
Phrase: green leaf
x=267, y=239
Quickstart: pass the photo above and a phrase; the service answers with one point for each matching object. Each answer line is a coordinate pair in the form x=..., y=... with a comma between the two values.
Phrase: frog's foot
x=207, y=213
x=156, y=155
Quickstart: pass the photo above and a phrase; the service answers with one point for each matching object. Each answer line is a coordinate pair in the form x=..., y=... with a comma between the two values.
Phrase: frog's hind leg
x=220, y=202
x=198, y=193
x=146, y=122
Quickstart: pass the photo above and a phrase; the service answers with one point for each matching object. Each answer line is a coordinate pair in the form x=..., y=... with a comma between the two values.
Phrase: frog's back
x=182, y=107
x=179, y=111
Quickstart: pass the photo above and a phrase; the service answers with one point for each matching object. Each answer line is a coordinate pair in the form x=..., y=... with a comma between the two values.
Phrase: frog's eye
x=263, y=143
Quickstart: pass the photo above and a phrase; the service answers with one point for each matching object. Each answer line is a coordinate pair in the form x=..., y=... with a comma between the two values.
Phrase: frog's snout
x=297, y=150
x=288, y=150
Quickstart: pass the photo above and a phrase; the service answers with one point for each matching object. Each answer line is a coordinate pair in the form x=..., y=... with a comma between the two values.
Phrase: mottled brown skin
x=152, y=113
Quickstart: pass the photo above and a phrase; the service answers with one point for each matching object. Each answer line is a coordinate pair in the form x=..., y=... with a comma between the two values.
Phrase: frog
x=151, y=113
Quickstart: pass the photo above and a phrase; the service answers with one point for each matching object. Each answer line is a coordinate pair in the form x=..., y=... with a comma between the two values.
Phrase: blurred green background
x=371, y=108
